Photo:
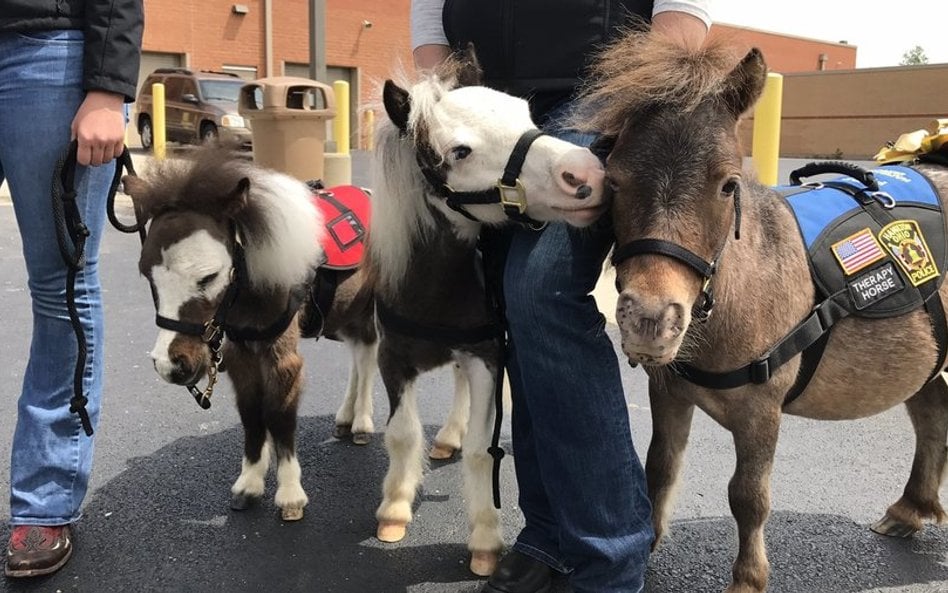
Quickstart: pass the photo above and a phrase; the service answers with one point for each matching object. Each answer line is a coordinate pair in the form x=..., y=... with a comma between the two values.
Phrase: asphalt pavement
x=157, y=518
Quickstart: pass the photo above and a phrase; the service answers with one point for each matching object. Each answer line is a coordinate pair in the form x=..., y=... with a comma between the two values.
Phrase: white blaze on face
x=177, y=280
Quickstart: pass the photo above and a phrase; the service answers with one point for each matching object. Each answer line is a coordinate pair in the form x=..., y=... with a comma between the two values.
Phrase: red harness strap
x=346, y=212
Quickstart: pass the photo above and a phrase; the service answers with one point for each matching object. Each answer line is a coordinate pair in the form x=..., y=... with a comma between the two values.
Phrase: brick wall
x=211, y=35
x=787, y=53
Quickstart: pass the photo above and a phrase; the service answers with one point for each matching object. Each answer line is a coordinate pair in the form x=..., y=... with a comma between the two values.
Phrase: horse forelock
x=277, y=224
x=641, y=70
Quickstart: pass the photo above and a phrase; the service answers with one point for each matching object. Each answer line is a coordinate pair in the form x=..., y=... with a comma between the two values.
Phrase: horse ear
x=137, y=189
x=469, y=69
x=397, y=104
x=237, y=198
x=745, y=83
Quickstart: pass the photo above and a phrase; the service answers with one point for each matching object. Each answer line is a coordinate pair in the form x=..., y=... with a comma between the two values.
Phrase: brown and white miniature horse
x=422, y=255
x=676, y=172
x=203, y=212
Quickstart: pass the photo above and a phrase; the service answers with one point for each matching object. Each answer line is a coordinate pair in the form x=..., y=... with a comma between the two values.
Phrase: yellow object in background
x=158, y=120
x=765, y=148
x=911, y=144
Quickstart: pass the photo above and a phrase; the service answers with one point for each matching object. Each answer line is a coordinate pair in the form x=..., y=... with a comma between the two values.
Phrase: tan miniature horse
x=676, y=172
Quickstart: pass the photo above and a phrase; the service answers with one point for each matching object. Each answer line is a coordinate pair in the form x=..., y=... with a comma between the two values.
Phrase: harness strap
x=808, y=331
x=809, y=362
x=272, y=331
x=936, y=315
x=436, y=333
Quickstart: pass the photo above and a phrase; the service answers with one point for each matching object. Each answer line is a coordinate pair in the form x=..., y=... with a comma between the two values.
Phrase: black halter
x=213, y=330
x=508, y=192
x=705, y=269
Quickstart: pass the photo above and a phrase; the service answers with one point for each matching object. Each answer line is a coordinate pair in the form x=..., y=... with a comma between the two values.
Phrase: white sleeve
x=696, y=8
x=427, y=27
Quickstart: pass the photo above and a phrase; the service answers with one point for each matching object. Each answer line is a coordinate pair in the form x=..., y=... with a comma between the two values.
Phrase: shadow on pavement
x=800, y=548
x=164, y=525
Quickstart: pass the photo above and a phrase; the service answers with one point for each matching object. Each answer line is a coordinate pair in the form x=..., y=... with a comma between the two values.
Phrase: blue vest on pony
x=886, y=250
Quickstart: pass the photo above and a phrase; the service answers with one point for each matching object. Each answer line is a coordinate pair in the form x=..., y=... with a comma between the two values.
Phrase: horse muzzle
x=651, y=332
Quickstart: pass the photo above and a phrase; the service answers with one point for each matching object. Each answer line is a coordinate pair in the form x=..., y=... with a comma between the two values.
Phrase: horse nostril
x=583, y=192
x=571, y=179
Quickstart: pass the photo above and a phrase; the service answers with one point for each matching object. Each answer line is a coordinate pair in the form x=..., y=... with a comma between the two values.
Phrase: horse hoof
x=342, y=431
x=440, y=451
x=291, y=513
x=483, y=563
x=242, y=501
x=892, y=527
x=391, y=531
x=361, y=438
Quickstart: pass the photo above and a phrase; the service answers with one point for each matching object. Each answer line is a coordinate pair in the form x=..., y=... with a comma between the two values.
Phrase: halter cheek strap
x=508, y=192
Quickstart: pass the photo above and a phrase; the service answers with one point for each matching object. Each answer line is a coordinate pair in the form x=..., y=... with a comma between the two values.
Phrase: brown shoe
x=35, y=550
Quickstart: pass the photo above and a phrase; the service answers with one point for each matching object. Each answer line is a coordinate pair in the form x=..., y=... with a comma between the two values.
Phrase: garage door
x=151, y=61
x=334, y=73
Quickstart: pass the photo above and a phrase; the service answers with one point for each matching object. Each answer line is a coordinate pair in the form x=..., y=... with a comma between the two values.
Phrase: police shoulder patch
x=904, y=240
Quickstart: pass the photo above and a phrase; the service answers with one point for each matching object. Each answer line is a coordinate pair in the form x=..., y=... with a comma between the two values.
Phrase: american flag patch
x=857, y=251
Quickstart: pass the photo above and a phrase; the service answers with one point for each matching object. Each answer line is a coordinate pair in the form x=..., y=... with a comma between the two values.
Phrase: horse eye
x=203, y=282
x=461, y=152
x=730, y=187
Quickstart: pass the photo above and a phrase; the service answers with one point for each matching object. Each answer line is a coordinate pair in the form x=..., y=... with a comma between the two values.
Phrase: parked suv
x=199, y=106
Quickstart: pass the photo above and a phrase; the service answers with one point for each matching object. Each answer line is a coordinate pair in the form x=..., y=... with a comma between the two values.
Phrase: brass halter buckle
x=520, y=195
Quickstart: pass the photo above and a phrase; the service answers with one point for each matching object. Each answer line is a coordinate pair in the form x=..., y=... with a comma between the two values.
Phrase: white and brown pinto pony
x=689, y=221
x=232, y=249
x=439, y=158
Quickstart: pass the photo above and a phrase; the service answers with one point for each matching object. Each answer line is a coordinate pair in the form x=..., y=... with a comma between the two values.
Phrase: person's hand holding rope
x=99, y=126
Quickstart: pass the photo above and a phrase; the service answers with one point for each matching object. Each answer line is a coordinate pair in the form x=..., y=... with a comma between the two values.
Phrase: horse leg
x=354, y=417
x=755, y=441
x=281, y=400
x=448, y=440
x=404, y=443
x=486, y=540
x=249, y=486
x=671, y=425
x=928, y=410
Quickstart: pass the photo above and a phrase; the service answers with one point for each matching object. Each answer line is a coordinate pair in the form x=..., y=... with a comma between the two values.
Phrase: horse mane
x=641, y=69
x=277, y=223
x=401, y=215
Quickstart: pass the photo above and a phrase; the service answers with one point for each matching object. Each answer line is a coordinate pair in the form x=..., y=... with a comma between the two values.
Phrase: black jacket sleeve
x=113, y=41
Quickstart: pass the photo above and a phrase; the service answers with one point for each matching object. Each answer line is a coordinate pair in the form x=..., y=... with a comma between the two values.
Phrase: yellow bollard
x=340, y=124
x=158, y=120
x=369, y=126
x=765, y=149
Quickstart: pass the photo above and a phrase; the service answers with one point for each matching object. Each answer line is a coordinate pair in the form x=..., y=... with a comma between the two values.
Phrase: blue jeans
x=40, y=92
x=582, y=486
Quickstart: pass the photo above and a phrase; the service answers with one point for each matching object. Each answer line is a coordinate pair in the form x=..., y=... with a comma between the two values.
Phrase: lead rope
x=68, y=221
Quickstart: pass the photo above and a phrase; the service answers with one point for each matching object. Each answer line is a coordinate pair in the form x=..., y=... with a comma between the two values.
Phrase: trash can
x=287, y=117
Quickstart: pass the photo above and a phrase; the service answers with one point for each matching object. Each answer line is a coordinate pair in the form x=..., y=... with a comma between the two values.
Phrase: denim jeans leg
x=582, y=486
x=40, y=91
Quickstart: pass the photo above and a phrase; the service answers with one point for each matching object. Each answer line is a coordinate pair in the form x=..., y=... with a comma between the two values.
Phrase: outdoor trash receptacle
x=287, y=117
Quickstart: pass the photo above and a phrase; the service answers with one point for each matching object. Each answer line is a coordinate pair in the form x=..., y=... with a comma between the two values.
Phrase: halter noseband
x=705, y=269
x=213, y=330
x=508, y=192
